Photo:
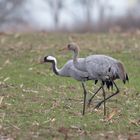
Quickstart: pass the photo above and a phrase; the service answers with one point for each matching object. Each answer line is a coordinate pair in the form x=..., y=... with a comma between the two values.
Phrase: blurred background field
x=69, y=15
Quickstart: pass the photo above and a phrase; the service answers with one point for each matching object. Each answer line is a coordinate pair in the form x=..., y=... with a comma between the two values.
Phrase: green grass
x=36, y=104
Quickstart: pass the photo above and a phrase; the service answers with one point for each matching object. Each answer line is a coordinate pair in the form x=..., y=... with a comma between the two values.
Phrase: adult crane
x=100, y=67
x=68, y=70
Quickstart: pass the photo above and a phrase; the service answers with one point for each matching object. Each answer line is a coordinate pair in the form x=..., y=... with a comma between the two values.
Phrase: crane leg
x=89, y=102
x=117, y=91
x=85, y=93
x=104, y=95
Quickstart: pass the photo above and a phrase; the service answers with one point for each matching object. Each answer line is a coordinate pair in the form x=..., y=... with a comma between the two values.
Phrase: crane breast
x=69, y=70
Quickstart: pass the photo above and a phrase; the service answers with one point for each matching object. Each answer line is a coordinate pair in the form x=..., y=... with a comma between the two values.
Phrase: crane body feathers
x=102, y=67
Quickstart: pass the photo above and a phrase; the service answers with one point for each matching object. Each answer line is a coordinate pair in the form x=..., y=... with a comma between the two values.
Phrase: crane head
x=50, y=59
x=73, y=47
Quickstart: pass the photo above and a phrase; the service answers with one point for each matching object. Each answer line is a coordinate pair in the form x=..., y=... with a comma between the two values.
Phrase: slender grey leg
x=89, y=102
x=104, y=95
x=85, y=93
x=117, y=91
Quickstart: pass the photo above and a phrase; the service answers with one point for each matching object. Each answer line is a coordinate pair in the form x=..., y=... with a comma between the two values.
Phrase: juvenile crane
x=100, y=67
x=68, y=70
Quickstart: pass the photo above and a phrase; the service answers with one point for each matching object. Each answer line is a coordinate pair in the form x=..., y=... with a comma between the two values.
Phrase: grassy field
x=37, y=104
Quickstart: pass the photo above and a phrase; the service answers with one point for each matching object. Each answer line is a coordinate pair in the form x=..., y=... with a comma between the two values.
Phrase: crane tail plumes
x=121, y=73
x=109, y=85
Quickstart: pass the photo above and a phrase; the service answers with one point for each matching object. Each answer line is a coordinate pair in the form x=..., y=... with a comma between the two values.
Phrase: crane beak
x=41, y=61
x=63, y=49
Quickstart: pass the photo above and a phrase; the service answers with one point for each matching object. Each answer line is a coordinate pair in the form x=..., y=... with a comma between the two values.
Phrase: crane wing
x=98, y=69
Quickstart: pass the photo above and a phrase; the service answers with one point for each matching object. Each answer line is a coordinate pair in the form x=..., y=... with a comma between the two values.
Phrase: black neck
x=54, y=68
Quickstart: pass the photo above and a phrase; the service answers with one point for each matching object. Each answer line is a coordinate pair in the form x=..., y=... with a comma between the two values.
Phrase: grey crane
x=100, y=67
x=68, y=70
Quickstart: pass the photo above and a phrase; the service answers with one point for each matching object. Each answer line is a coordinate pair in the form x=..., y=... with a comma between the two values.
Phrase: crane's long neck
x=75, y=57
x=55, y=69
